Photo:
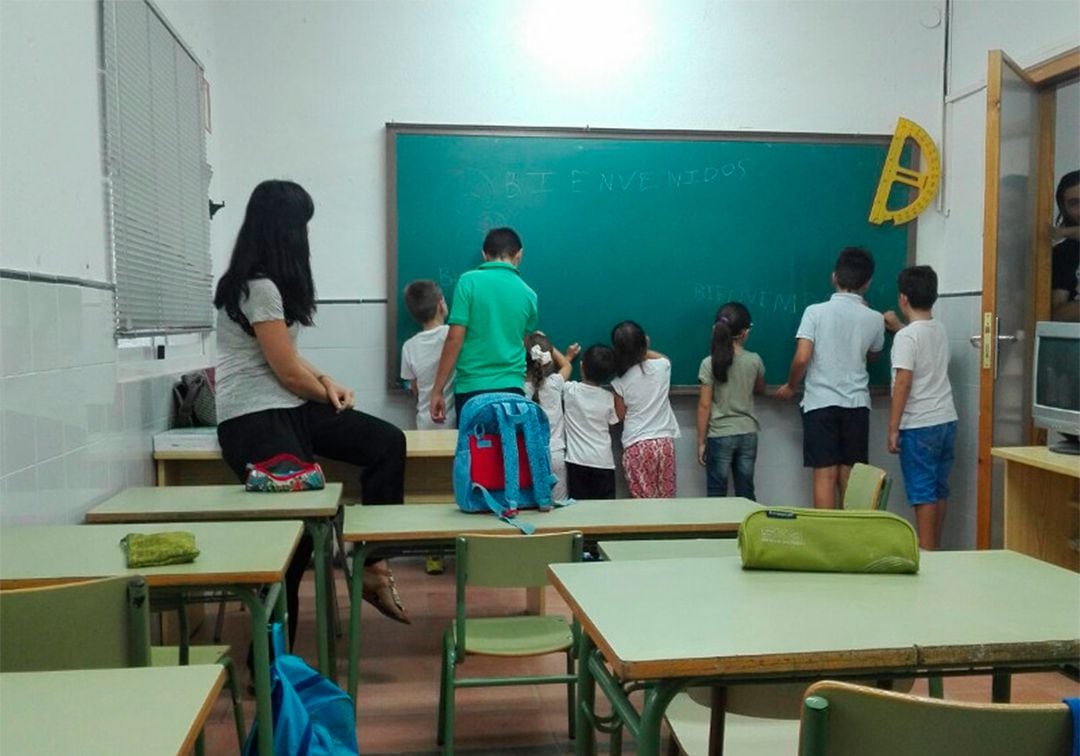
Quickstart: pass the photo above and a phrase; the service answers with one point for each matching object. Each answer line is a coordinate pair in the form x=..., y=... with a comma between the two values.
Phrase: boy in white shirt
x=419, y=361
x=833, y=343
x=589, y=412
x=922, y=418
x=420, y=354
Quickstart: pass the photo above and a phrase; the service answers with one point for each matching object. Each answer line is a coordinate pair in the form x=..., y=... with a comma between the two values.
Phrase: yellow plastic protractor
x=926, y=181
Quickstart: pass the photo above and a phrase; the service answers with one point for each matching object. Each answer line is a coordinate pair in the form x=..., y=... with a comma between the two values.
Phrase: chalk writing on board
x=768, y=301
x=516, y=184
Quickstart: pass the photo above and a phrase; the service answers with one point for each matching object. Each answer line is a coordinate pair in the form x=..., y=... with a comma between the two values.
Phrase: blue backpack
x=503, y=461
x=312, y=716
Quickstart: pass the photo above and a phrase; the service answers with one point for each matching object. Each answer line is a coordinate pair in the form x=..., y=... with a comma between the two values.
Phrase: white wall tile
x=98, y=346
x=44, y=326
x=69, y=331
x=15, y=354
x=19, y=424
x=19, y=500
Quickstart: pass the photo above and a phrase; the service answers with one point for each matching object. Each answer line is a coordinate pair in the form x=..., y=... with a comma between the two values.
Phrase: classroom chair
x=95, y=624
x=760, y=718
x=868, y=487
x=510, y=561
x=840, y=719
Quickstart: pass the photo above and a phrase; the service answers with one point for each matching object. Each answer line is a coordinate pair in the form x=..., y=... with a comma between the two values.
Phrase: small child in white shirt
x=546, y=371
x=589, y=413
x=420, y=354
x=641, y=385
x=922, y=417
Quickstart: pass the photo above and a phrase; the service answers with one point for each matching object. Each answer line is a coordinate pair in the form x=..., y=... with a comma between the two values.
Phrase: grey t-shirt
x=245, y=382
x=732, y=410
x=843, y=330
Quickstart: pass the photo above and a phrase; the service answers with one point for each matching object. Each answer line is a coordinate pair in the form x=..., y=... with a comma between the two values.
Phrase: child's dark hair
x=501, y=243
x=598, y=363
x=919, y=284
x=272, y=243
x=1067, y=182
x=535, y=369
x=854, y=268
x=732, y=320
x=629, y=344
x=422, y=300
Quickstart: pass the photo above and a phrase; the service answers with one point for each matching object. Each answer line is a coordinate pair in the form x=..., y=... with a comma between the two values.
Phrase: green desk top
x=231, y=553
x=671, y=548
x=147, y=711
x=437, y=522
x=709, y=617
x=231, y=502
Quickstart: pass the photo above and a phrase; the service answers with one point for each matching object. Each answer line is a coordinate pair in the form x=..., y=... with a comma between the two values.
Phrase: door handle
x=976, y=340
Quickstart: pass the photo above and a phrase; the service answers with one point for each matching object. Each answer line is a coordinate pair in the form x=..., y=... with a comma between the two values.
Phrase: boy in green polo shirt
x=492, y=311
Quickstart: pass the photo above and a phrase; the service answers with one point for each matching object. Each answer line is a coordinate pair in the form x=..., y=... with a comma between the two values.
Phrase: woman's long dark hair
x=732, y=320
x=272, y=243
x=630, y=345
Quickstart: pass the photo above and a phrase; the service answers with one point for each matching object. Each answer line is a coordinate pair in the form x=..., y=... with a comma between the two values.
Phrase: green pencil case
x=158, y=549
x=828, y=540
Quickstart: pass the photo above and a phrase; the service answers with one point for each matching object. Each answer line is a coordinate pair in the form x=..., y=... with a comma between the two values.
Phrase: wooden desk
x=31, y=556
x=145, y=711
x=1042, y=503
x=231, y=502
x=429, y=457
x=678, y=622
x=375, y=529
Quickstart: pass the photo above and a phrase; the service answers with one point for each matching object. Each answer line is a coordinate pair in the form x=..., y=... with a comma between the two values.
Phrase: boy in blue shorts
x=833, y=343
x=492, y=311
x=922, y=417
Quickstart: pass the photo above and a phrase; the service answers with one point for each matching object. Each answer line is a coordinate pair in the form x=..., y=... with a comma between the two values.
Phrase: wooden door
x=1009, y=243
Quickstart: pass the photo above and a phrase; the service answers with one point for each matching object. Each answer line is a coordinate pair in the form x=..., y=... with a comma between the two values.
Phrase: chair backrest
x=97, y=624
x=840, y=719
x=512, y=561
x=865, y=487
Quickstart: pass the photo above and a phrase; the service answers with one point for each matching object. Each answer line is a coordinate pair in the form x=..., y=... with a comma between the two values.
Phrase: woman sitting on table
x=272, y=401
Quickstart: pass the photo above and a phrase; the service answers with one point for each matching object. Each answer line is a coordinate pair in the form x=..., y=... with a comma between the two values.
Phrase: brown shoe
x=381, y=592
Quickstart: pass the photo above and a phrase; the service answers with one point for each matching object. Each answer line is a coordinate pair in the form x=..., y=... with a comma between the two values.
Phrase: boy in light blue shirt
x=833, y=343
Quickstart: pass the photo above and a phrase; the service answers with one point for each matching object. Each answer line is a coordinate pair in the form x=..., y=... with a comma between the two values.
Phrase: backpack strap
x=503, y=513
x=537, y=449
x=510, y=419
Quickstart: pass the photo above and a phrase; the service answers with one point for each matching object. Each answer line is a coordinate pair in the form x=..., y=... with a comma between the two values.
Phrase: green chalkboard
x=657, y=227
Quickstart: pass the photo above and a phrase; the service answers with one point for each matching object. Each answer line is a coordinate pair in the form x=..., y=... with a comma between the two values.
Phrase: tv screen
x=1056, y=383
x=1057, y=377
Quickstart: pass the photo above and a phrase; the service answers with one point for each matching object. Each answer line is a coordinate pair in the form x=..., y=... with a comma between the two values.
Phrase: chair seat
x=517, y=636
x=169, y=656
x=743, y=735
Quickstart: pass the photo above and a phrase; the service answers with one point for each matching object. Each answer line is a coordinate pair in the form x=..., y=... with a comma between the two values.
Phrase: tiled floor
x=399, y=679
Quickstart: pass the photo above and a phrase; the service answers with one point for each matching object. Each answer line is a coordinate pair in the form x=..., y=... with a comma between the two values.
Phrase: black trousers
x=316, y=429
x=589, y=482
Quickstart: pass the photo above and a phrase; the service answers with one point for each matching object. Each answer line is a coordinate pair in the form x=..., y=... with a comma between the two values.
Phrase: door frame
x=1045, y=77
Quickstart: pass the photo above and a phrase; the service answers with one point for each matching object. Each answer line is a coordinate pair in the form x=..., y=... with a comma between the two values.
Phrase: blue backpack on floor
x=503, y=461
x=312, y=716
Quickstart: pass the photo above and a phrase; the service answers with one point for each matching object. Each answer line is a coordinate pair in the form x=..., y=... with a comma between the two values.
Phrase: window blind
x=157, y=176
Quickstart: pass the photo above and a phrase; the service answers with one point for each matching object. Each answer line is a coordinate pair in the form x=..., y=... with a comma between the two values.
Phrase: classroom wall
x=70, y=432
x=302, y=90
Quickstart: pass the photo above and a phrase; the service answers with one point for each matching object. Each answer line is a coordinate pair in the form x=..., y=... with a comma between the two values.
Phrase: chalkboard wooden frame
x=394, y=130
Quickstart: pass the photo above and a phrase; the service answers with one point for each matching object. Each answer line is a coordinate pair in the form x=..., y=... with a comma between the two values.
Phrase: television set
x=1056, y=383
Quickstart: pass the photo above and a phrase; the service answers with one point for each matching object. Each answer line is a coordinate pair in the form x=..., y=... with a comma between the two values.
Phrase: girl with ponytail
x=726, y=425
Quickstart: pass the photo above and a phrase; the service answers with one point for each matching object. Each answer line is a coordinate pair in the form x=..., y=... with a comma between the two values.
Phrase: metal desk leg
x=264, y=718
x=319, y=531
x=1001, y=687
x=360, y=553
x=652, y=717
x=585, y=735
